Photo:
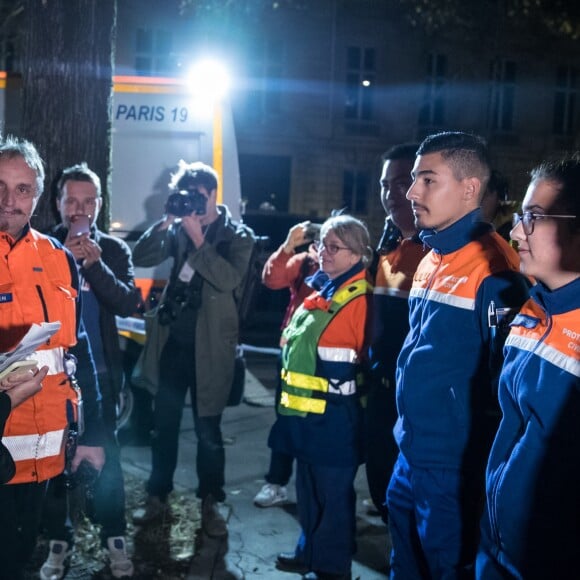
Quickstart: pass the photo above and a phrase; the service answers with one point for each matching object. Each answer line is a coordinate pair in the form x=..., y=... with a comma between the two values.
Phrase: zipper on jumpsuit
x=501, y=470
x=423, y=301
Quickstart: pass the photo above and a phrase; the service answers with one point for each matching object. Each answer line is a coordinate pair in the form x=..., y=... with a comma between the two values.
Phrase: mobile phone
x=19, y=365
x=79, y=225
x=312, y=231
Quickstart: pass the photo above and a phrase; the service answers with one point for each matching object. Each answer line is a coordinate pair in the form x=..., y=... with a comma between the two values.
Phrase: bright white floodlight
x=208, y=79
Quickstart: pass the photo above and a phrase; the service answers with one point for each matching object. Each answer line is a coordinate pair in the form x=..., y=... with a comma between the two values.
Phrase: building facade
x=320, y=92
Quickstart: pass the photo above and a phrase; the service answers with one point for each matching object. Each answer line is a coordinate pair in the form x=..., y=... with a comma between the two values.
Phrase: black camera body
x=182, y=203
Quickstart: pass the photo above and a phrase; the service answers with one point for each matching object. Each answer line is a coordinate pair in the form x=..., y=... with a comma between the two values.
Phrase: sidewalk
x=256, y=535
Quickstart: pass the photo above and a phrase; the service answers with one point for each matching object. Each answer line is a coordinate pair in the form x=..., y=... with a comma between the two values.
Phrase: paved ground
x=255, y=535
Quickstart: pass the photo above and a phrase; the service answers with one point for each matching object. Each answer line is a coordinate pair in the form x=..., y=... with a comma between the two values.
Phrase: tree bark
x=67, y=69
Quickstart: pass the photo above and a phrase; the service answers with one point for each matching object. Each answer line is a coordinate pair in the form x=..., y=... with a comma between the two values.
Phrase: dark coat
x=222, y=264
x=112, y=281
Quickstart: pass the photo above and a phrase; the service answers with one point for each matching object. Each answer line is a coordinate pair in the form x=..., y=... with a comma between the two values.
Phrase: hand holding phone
x=79, y=225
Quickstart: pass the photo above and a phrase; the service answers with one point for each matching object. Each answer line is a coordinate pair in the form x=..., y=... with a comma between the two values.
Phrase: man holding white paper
x=38, y=283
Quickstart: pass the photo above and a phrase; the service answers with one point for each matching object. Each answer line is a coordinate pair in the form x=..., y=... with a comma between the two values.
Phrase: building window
x=503, y=88
x=355, y=188
x=360, y=80
x=432, y=111
x=566, y=95
x=153, y=53
x=266, y=73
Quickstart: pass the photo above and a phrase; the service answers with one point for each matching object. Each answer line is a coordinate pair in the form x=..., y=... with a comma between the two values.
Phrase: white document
x=37, y=335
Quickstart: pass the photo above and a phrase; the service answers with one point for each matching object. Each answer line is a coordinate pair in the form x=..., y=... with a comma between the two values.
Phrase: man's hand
x=93, y=455
x=192, y=226
x=20, y=386
x=84, y=249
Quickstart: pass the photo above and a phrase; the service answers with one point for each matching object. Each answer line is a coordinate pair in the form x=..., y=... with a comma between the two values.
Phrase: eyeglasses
x=529, y=217
x=331, y=249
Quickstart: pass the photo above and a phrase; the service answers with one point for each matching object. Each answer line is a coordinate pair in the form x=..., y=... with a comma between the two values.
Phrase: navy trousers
x=326, y=509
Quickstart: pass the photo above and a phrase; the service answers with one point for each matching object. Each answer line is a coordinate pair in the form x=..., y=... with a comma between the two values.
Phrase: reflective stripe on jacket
x=302, y=390
x=36, y=285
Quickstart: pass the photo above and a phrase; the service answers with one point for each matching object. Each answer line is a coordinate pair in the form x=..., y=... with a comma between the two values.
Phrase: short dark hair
x=466, y=154
x=565, y=173
x=78, y=172
x=190, y=175
x=13, y=147
x=402, y=151
x=500, y=184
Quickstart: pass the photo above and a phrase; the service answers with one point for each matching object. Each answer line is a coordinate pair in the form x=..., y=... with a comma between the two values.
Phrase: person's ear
x=472, y=189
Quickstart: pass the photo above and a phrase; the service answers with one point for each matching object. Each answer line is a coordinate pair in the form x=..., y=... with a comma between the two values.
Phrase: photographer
x=210, y=255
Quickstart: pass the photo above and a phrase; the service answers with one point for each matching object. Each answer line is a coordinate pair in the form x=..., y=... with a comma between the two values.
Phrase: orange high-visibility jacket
x=36, y=285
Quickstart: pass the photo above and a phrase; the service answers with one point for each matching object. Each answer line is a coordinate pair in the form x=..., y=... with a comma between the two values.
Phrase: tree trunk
x=67, y=68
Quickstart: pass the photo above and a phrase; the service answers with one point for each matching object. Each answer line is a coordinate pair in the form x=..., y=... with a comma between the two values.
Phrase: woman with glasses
x=320, y=413
x=531, y=527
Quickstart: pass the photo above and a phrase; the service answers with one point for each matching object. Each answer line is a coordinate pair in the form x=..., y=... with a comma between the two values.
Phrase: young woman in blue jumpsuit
x=531, y=526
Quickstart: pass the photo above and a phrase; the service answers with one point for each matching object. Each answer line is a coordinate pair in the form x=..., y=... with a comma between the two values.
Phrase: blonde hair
x=352, y=233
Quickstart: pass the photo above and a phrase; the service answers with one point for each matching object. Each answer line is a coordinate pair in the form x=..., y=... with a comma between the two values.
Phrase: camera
x=182, y=203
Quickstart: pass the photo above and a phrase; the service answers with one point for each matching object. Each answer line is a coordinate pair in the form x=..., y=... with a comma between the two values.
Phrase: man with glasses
x=449, y=364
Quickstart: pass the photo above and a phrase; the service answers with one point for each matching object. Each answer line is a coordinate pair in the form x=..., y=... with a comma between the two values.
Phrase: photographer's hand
x=192, y=226
x=168, y=219
x=296, y=237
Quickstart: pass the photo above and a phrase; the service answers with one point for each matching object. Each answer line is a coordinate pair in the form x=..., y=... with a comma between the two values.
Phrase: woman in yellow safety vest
x=320, y=421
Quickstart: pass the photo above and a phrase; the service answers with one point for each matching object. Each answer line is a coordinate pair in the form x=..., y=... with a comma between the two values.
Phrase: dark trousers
x=177, y=376
x=280, y=470
x=381, y=449
x=326, y=509
x=20, y=515
x=107, y=504
x=433, y=520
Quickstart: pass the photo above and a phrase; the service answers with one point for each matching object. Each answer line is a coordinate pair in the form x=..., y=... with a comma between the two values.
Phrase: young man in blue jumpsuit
x=448, y=366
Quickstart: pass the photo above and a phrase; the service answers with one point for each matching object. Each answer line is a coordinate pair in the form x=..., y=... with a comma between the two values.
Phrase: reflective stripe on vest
x=34, y=446
x=52, y=358
x=304, y=392
x=303, y=404
x=302, y=381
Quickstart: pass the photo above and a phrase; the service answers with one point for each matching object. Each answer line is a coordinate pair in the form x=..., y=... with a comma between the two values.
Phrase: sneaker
x=271, y=495
x=212, y=521
x=154, y=510
x=120, y=564
x=57, y=562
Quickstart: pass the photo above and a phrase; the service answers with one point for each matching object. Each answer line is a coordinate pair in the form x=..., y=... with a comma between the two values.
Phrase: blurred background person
x=399, y=252
x=320, y=411
x=288, y=268
x=531, y=527
x=496, y=207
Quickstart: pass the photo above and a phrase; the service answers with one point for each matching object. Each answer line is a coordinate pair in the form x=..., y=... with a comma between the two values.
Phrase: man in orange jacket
x=38, y=284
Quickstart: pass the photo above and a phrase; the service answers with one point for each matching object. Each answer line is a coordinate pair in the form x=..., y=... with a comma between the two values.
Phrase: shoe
x=57, y=563
x=326, y=576
x=288, y=562
x=120, y=564
x=212, y=521
x=370, y=507
x=154, y=510
x=271, y=495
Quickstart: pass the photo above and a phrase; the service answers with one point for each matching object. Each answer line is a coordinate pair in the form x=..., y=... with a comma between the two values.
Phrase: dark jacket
x=446, y=374
x=112, y=281
x=7, y=467
x=531, y=527
x=221, y=266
